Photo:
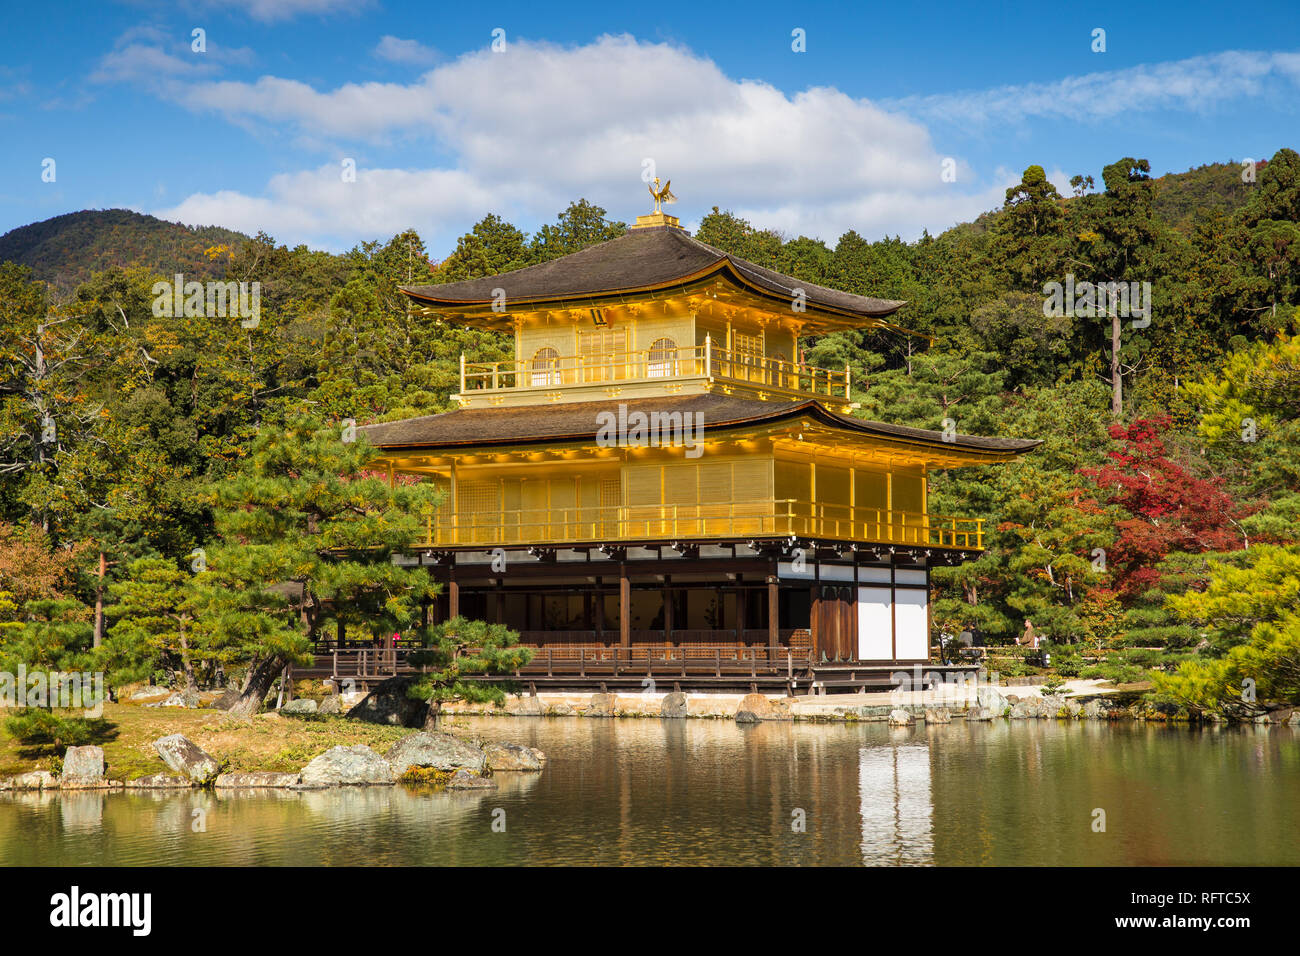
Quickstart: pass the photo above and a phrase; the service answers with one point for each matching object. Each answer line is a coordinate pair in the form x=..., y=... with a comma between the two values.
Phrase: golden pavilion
x=656, y=479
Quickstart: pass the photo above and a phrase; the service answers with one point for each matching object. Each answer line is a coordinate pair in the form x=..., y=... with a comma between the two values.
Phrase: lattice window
x=662, y=360
x=546, y=368
x=602, y=353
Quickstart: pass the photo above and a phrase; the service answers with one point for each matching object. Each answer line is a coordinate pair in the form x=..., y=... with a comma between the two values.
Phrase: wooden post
x=453, y=596
x=668, y=609
x=624, y=607
x=773, y=612
x=99, y=601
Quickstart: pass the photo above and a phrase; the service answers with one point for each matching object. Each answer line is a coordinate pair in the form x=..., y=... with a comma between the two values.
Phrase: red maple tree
x=1172, y=509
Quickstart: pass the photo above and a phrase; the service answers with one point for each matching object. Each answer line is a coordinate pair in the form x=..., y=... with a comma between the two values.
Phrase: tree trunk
x=435, y=711
x=99, y=601
x=261, y=675
x=187, y=665
x=1116, y=369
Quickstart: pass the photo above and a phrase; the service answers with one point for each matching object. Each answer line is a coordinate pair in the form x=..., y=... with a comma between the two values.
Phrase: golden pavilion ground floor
x=747, y=614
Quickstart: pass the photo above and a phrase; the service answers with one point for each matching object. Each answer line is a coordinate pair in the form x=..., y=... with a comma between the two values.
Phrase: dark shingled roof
x=655, y=257
x=576, y=421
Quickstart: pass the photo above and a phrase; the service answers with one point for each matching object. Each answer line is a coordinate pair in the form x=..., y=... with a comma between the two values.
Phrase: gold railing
x=443, y=528
x=707, y=360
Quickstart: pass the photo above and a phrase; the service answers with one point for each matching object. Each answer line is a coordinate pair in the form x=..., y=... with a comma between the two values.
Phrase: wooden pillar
x=624, y=607
x=340, y=632
x=773, y=612
x=600, y=612
x=742, y=599
x=499, y=597
x=453, y=595
x=815, y=617
x=668, y=609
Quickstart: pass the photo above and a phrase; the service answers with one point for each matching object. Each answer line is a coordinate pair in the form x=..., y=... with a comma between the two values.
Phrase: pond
x=712, y=792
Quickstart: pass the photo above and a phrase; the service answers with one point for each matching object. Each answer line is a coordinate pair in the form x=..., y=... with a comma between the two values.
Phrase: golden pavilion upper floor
x=689, y=468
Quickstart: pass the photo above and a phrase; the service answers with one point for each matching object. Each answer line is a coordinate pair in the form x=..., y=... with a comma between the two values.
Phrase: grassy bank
x=265, y=742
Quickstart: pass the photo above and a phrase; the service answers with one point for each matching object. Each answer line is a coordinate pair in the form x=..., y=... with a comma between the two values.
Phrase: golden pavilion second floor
x=714, y=468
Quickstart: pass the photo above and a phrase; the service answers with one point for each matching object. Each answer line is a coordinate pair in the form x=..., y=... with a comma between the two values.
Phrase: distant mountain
x=66, y=250
x=1214, y=187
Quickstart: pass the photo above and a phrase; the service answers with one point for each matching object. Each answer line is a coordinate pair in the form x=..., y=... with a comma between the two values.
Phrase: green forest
x=177, y=504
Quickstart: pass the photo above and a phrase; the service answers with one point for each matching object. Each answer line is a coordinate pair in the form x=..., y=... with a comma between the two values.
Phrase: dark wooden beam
x=624, y=607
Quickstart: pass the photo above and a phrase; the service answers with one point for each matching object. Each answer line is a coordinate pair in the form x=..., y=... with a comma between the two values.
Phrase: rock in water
x=353, y=766
x=979, y=713
x=83, y=767
x=525, y=707
x=300, y=707
x=900, y=718
x=160, y=781
x=439, y=751
x=464, y=780
x=183, y=756
x=674, y=705
x=513, y=757
x=992, y=700
x=35, y=780
x=602, y=705
x=389, y=704
x=249, y=781
x=937, y=715
x=1093, y=710
x=756, y=707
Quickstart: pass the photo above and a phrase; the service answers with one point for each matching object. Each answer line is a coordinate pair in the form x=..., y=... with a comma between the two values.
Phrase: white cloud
x=530, y=129
x=1196, y=84
x=408, y=52
x=541, y=124
x=271, y=11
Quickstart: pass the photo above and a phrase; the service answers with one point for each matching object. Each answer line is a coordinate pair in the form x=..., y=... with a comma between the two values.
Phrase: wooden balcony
x=665, y=366
x=784, y=518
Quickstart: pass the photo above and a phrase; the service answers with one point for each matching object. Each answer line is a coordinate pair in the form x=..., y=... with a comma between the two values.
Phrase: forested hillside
x=67, y=250
x=1157, y=521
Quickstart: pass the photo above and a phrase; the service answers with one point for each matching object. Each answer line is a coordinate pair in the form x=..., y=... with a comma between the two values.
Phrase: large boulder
x=390, y=704
x=1023, y=709
x=1051, y=705
x=674, y=705
x=354, y=766
x=83, y=768
x=228, y=698
x=183, y=756
x=513, y=757
x=900, y=718
x=1094, y=710
x=979, y=713
x=601, y=705
x=437, y=751
x=331, y=705
x=755, y=707
x=36, y=780
x=302, y=707
x=937, y=715
x=249, y=781
x=526, y=706
x=991, y=699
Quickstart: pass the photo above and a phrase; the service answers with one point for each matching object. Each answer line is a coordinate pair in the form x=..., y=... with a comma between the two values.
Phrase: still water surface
x=712, y=792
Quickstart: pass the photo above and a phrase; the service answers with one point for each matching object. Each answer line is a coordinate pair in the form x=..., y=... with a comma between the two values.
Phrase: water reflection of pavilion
x=896, y=806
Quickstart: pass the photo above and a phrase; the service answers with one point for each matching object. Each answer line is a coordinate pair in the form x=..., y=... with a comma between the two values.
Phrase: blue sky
x=256, y=131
